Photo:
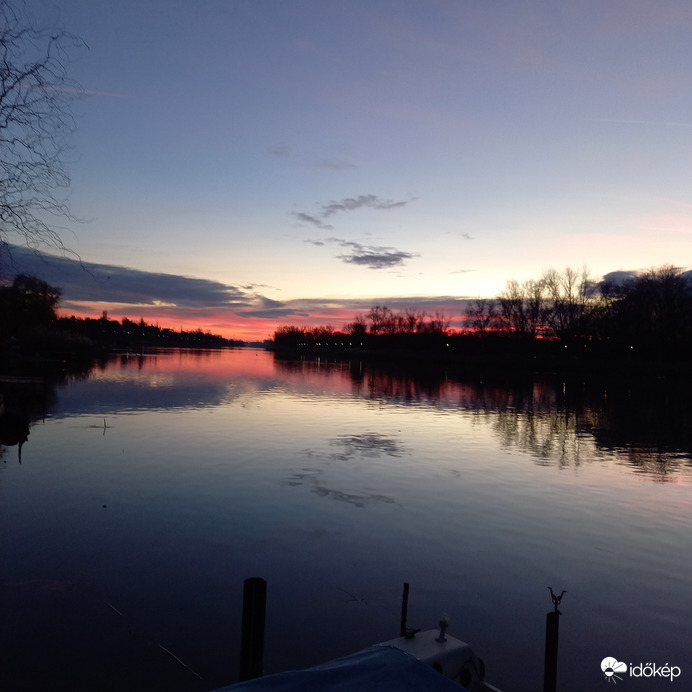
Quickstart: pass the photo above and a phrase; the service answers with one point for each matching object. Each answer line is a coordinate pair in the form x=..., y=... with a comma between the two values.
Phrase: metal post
x=252, y=634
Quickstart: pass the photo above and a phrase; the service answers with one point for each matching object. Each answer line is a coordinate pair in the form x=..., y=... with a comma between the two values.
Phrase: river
x=151, y=488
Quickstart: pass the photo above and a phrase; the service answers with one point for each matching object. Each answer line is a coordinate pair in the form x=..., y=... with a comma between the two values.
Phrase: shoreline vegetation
x=562, y=322
x=471, y=354
x=33, y=339
x=75, y=344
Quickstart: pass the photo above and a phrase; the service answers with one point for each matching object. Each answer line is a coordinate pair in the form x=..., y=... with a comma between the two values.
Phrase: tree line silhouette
x=30, y=328
x=380, y=327
x=568, y=314
x=134, y=336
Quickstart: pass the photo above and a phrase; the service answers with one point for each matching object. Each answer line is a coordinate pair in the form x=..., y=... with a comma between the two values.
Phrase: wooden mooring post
x=552, y=635
x=552, y=632
x=404, y=610
x=252, y=634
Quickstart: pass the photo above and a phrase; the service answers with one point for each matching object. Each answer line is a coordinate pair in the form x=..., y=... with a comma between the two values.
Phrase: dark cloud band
x=87, y=281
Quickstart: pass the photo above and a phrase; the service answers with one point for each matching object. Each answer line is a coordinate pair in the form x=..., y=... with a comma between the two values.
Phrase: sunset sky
x=245, y=163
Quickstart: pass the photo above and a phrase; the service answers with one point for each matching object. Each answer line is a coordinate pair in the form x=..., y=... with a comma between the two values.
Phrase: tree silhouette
x=27, y=304
x=570, y=299
x=523, y=307
x=563, y=319
x=652, y=313
x=36, y=124
x=482, y=316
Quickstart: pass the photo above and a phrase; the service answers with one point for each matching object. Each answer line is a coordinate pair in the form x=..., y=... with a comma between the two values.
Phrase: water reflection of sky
x=337, y=483
x=554, y=425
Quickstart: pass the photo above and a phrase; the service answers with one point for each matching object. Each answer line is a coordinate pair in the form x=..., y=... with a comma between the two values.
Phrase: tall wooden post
x=404, y=611
x=252, y=634
x=552, y=632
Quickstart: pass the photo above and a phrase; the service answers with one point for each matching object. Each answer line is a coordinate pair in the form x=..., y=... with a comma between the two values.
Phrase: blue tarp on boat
x=378, y=668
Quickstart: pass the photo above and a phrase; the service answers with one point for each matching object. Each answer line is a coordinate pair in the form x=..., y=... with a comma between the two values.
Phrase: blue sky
x=343, y=153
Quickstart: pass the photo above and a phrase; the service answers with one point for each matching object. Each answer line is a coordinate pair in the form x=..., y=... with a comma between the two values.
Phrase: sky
x=248, y=163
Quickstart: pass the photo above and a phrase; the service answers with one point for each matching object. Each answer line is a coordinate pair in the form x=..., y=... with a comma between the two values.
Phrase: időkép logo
x=615, y=670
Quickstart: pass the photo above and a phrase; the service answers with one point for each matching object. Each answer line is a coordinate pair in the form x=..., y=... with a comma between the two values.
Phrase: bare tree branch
x=36, y=124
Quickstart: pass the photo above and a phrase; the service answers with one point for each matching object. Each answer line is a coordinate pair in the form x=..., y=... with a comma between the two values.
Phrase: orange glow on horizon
x=233, y=326
x=245, y=329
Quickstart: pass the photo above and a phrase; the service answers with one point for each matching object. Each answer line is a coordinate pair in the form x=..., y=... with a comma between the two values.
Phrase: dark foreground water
x=148, y=492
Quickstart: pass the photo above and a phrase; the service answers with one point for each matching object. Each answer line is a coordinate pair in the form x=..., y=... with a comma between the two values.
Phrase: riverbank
x=482, y=358
x=73, y=344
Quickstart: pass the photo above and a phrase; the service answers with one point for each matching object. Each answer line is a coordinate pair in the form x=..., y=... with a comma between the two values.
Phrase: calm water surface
x=150, y=490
